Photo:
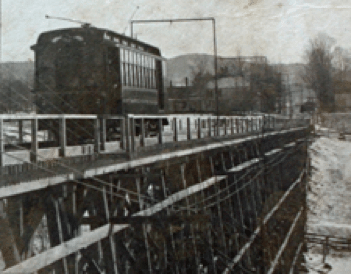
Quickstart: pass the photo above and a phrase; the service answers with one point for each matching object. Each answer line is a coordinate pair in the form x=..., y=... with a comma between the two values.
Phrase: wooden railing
x=329, y=243
x=21, y=148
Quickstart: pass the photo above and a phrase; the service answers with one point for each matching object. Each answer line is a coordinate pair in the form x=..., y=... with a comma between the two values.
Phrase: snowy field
x=329, y=201
x=330, y=185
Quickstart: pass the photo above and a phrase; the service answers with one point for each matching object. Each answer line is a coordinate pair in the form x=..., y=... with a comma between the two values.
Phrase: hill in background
x=182, y=66
x=16, y=83
x=23, y=71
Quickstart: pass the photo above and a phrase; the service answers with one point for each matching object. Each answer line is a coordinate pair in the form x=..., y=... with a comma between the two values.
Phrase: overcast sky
x=279, y=29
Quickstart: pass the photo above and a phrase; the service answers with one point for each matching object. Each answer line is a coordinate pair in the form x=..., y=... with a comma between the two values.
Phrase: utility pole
x=177, y=20
x=0, y=31
x=301, y=98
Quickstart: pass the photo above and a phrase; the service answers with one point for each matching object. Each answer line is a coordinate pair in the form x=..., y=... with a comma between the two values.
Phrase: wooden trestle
x=230, y=206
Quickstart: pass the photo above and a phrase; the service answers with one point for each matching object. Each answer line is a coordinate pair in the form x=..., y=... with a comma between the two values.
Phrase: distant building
x=183, y=99
x=233, y=95
x=342, y=91
x=296, y=93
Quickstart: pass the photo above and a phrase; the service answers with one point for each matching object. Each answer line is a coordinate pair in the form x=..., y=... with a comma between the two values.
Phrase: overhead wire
x=105, y=183
x=73, y=180
x=108, y=184
x=102, y=182
x=86, y=184
x=52, y=92
x=44, y=120
x=240, y=178
x=246, y=184
x=94, y=178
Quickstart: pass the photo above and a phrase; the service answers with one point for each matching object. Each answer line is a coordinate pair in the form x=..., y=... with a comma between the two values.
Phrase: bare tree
x=318, y=73
x=200, y=78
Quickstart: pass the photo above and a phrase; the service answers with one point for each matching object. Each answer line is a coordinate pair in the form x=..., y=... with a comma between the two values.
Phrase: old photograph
x=174, y=136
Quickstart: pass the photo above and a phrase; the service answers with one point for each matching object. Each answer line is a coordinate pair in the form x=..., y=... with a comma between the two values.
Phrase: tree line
x=326, y=70
x=263, y=90
x=15, y=90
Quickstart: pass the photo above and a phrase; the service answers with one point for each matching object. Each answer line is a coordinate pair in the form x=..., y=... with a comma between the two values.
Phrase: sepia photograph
x=176, y=137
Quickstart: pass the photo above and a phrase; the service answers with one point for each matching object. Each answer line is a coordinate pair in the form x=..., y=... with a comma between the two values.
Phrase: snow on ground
x=340, y=263
x=329, y=202
x=329, y=197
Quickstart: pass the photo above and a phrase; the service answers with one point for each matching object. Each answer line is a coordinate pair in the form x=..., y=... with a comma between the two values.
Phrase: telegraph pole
x=213, y=20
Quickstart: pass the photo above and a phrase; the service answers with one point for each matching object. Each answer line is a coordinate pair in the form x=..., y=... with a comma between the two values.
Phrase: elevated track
x=203, y=195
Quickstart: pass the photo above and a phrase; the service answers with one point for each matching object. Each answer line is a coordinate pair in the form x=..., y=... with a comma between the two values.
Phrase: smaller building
x=342, y=96
x=233, y=96
x=183, y=99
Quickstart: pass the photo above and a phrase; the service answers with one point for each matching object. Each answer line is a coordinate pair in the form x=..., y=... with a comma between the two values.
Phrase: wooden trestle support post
x=226, y=210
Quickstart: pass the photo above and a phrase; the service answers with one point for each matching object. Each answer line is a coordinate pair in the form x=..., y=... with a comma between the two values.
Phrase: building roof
x=229, y=82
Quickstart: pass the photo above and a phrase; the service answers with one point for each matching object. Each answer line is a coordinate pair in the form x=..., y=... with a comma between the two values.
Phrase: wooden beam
x=292, y=267
x=63, y=137
x=42, y=183
x=135, y=220
x=199, y=128
x=34, y=141
x=102, y=133
x=188, y=129
x=284, y=244
x=142, y=132
x=69, y=247
x=26, y=117
x=160, y=130
x=2, y=143
x=175, y=130
x=253, y=236
x=20, y=131
x=8, y=245
x=97, y=135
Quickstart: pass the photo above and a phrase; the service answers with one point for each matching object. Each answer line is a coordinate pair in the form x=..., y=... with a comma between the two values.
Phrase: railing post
x=34, y=143
x=132, y=134
x=225, y=126
x=216, y=127
x=259, y=124
x=63, y=137
x=123, y=134
x=97, y=135
x=199, y=135
x=160, y=137
x=2, y=143
x=142, y=132
x=231, y=126
x=254, y=122
x=237, y=125
x=127, y=135
x=20, y=131
x=325, y=248
x=209, y=123
x=188, y=129
x=175, y=130
x=103, y=133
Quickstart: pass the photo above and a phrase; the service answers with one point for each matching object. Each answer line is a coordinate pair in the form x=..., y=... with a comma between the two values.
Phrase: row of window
x=205, y=123
x=138, y=70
